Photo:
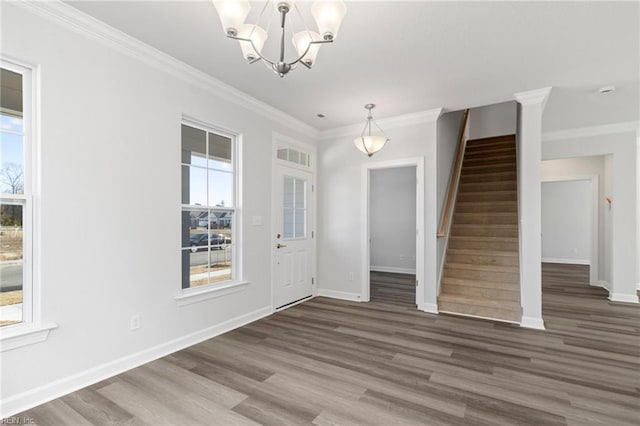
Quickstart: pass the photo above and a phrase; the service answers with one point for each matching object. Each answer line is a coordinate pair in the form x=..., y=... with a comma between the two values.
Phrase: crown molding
x=404, y=120
x=532, y=97
x=583, y=132
x=73, y=19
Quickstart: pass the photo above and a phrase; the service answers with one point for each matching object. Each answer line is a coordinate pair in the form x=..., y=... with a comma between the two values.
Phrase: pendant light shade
x=302, y=42
x=370, y=144
x=257, y=36
x=232, y=14
x=328, y=16
x=367, y=143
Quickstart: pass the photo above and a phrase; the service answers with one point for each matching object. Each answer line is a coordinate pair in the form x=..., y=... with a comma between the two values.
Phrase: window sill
x=23, y=335
x=194, y=296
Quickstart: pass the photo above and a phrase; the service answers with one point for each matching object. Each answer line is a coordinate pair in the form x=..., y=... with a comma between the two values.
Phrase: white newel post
x=529, y=142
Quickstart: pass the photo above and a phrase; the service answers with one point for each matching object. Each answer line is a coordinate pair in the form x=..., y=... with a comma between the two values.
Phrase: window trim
x=32, y=329
x=190, y=295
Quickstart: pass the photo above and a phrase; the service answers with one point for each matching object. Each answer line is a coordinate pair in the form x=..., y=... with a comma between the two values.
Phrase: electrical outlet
x=135, y=322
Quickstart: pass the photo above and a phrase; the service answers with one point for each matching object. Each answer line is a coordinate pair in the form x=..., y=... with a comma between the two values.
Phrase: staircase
x=481, y=275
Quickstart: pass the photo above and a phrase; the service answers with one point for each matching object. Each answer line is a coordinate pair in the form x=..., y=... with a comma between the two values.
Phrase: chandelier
x=327, y=15
x=366, y=142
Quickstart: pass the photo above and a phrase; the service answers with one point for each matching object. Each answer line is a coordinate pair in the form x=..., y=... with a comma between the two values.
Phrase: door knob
x=280, y=245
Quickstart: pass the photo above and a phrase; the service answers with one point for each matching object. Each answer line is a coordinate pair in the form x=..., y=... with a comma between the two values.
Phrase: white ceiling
x=413, y=56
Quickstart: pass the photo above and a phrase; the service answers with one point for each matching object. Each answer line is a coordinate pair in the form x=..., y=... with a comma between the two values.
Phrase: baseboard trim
x=32, y=398
x=566, y=261
x=335, y=294
x=602, y=284
x=624, y=298
x=431, y=308
x=531, y=322
x=392, y=270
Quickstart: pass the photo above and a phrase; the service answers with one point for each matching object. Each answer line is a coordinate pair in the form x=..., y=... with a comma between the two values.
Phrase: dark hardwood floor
x=328, y=362
x=397, y=289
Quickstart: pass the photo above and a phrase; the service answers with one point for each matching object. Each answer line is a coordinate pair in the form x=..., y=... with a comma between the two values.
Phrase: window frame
x=236, y=283
x=32, y=329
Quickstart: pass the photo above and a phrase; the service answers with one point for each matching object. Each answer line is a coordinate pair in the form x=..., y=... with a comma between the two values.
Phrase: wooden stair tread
x=490, y=193
x=481, y=238
x=482, y=177
x=485, y=303
x=465, y=185
x=511, y=166
x=447, y=281
x=488, y=154
x=473, y=214
x=484, y=268
x=484, y=202
x=479, y=252
x=500, y=138
x=482, y=225
x=511, y=148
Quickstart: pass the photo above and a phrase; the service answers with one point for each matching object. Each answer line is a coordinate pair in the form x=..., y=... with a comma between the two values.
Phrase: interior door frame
x=594, y=257
x=418, y=163
x=280, y=140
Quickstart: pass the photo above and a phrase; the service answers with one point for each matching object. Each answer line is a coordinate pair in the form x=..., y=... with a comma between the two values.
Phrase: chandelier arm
x=254, y=48
x=260, y=56
x=364, y=129
x=307, y=51
x=364, y=146
x=380, y=129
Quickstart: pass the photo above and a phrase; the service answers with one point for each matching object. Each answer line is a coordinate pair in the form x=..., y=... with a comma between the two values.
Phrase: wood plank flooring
x=328, y=362
x=397, y=289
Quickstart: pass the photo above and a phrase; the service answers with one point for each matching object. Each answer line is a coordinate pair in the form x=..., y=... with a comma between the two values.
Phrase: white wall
x=584, y=167
x=493, y=120
x=340, y=192
x=620, y=144
x=566, y=221
x=110, y=208
x=448, y=134
x=392, y=223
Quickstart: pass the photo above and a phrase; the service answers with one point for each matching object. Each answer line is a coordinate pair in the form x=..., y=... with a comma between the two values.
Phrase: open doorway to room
x=575, y=227
x=392, y=235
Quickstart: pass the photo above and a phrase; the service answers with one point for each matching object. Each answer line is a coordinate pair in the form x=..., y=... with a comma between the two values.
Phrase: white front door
x=293, y=243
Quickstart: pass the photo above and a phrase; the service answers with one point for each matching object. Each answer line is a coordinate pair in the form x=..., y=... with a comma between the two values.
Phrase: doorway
x=570, y=223
x=393, y=236
x=292, y=226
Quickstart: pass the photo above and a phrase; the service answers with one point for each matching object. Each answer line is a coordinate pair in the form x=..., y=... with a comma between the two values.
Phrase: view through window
x=13, y=202
x=208, y=207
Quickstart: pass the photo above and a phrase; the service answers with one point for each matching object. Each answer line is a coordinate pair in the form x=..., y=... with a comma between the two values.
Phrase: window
x=208, y=206
x=295, y=208
x=294, y=156
x=16, y=190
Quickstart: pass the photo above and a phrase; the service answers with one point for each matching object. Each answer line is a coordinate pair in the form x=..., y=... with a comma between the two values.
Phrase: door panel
x=293, y=244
